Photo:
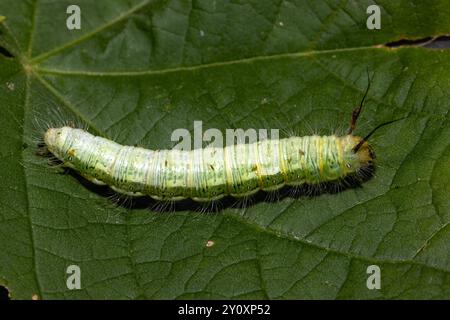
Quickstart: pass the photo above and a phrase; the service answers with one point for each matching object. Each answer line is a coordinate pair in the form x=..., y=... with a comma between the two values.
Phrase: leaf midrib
x=200, y=66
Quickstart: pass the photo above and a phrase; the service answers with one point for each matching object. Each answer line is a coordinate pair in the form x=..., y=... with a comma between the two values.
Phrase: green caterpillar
x=212, y=173
x=209, y=173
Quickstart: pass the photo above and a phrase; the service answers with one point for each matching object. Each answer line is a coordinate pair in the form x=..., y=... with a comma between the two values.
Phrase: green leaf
x=137, y=70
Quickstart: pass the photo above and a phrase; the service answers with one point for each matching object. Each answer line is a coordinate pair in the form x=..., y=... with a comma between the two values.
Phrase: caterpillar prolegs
x=211, y=173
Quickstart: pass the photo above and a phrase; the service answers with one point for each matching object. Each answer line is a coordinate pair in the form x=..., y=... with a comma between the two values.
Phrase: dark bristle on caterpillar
x=294, y=166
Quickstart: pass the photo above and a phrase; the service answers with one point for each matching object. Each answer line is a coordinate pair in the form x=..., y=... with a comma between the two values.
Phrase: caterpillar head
x=358, y=154
x=359, y=158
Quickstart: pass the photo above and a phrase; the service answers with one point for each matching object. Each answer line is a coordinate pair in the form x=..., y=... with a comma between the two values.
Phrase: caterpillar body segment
x=211, y=173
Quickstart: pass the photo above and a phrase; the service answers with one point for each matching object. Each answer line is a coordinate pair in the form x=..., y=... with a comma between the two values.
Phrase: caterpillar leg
x=127, y=193
x=92, y=179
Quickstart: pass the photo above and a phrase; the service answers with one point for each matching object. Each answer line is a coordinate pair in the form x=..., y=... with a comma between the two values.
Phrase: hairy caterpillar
x=212, y=173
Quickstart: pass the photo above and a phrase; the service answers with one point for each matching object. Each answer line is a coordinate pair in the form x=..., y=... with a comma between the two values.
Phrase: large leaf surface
x=137, y=70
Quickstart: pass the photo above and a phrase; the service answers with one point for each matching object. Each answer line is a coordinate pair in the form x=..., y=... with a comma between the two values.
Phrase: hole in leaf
x=4, y=293
x=408, y=42
x=5, y=52
x=442, y=42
